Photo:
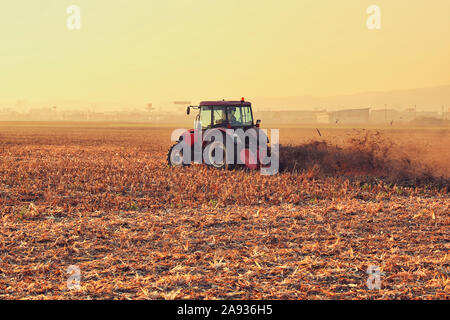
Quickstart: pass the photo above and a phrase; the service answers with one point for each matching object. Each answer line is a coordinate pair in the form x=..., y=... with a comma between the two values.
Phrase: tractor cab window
x=206, y=117
x=240, y=116
x=219, y=116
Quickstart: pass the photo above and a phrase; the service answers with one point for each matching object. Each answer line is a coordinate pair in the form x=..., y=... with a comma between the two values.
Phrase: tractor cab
x=225, y=114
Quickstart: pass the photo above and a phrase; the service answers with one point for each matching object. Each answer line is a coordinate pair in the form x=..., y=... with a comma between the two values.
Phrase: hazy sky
x=145, y=50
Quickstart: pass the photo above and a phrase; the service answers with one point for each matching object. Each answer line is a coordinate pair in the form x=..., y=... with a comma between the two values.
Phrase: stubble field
x=101, y=197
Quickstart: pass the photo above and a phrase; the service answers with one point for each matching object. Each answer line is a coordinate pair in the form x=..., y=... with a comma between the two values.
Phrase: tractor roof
x=223, y=103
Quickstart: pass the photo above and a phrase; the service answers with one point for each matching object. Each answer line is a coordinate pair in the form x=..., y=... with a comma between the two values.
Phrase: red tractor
x=225, y=136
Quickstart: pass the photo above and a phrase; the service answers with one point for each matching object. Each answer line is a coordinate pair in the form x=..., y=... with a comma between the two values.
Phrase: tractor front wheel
x=175, y=156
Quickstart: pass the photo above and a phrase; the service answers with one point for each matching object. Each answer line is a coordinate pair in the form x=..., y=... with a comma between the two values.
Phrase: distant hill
x=426, y=99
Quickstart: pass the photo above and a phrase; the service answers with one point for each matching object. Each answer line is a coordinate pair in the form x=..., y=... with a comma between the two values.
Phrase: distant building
x=133, y=116
x=323, y=117
x=44, y=114
x=100, y=116
x=349, y=116
x=10, y=115
x=288, y=117
x=427, y=114
x=384, y=115
x=407, y=115
x=74, y=116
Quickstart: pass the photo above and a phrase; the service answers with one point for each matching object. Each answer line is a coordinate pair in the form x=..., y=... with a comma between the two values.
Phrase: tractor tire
x=175, y=157
x=221, y=165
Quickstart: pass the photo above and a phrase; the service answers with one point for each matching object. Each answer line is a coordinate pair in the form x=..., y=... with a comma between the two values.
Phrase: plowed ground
x=102, y=197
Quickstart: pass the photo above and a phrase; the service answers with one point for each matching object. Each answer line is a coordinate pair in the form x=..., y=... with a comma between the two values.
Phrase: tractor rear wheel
x=217, y=162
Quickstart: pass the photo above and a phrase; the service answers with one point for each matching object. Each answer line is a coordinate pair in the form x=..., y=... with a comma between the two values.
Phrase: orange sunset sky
x=145, y=50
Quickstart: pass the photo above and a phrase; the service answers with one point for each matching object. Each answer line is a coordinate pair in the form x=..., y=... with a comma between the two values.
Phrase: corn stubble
x=104, y=199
